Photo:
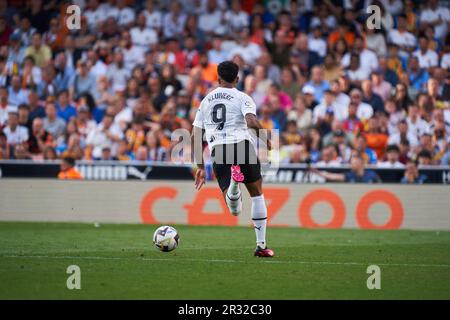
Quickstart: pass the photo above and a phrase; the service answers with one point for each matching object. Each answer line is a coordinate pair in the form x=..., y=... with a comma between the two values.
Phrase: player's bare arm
x=253, y=123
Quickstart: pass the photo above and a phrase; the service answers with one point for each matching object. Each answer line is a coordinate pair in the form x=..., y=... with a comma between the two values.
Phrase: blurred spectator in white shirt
x=153, y=15
x=403, y=133
x=364, y=110
x=117, y=73
x=212, y=20
x=236, y=18
x=427, y=57
x=436, y=16
x=52, y=123
x=17, y=95
x=355, y=71
x=392, y=156
x=217, y=54
x=174, y=21
x=402, y=37
x=249, y=51
x=376, y=42
x=380, y=86
x=106, y=133
x=329, y=157
x=141, y=35
x=125, y=15
x=394, y=7
x=98, y=67
x=367, y=58
x=15, y=133
x=416, y=125
x=82, y=81
x=317, y=43
x=328, y=105
x=132, y=54
x=94, y=14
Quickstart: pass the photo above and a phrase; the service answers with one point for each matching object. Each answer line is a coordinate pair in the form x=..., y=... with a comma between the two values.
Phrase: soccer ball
x=166, y=238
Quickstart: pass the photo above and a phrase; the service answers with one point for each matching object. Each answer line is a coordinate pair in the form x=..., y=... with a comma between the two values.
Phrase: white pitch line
x=232, y=261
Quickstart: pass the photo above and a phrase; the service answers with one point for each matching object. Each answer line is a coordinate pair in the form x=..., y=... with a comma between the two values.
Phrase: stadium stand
x=135, y=71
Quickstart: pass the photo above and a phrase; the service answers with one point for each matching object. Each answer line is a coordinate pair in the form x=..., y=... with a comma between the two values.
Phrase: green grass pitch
x=120, y=262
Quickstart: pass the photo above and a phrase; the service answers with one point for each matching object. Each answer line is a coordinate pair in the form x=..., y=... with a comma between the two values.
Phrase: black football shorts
x=242, y=154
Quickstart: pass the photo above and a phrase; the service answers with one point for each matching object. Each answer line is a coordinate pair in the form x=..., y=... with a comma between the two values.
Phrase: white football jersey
x=222, y=115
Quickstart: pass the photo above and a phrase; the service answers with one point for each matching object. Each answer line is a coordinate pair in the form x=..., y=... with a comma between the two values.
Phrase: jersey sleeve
x=199, y=121
x=247, y=105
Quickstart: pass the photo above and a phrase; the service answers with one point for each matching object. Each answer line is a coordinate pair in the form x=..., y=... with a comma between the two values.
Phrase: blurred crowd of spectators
x=117, y=87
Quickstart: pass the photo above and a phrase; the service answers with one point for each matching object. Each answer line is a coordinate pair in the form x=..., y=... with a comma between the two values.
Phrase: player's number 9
x=219, y=115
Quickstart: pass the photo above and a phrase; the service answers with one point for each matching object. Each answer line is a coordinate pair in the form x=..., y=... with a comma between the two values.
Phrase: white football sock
x=259, y=217
x=233, y=198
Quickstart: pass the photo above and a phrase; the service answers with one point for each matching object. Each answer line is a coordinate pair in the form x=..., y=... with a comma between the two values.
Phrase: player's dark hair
x=228, y=71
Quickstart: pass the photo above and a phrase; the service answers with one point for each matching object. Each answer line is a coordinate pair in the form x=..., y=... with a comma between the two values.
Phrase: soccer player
x=225, y=116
